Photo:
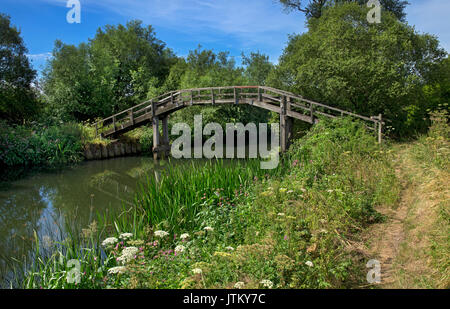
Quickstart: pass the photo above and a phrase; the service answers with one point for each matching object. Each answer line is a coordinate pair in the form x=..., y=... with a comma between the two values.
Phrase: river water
x=45, y=202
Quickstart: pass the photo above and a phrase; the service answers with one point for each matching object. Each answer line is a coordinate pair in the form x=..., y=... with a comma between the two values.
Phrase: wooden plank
x=267, y=106
x=266, y=96
x=299, y=116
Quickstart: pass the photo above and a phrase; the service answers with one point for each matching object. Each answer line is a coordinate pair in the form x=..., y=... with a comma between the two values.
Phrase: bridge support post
x=161, y=145
x=285, y=125
x=165, y=137
x=156, y=139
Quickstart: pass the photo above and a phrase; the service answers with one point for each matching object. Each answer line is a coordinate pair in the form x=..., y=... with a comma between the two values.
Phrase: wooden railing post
x=311, y=111
x=132, y=116
x=380, y=128
x=192, y=97
x=212, y=97
x=283, y=132
x=114, y=124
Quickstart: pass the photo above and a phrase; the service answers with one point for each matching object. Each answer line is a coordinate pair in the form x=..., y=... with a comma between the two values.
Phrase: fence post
x=380, y=128
x=283, y=132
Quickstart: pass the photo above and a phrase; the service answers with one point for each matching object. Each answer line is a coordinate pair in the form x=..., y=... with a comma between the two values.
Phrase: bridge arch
x=289, y=105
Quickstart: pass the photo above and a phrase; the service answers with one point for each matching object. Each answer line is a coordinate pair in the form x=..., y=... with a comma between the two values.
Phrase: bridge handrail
x=173, y=96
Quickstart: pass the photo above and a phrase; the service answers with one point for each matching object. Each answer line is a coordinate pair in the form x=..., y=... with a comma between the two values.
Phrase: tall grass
x=173, y=199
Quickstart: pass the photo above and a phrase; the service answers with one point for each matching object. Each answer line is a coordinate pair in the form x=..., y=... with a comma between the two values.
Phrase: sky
x=221, y=25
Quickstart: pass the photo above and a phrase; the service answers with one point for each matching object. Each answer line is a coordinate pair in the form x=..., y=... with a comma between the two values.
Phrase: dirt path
x=402, y=243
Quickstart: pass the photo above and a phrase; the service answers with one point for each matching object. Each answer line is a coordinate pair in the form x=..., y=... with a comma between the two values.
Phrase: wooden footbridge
x=289, y=105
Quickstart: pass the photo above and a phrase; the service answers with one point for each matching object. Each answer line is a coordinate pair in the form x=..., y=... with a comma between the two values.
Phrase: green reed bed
x=174, y=200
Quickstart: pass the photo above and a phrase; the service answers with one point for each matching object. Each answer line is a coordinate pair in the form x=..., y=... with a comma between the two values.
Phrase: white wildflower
x=309, y=263
x=267, y=283
x=230, y=248
x=208, y=229
x=239, y=285
x=184, y=236
x=197, y=271
x=161, y=234
x=117, y=270
x=179, y=249
x=125, y=236
x=281, y=214
x=290, y=191
x=128, y=254
x=111, y=241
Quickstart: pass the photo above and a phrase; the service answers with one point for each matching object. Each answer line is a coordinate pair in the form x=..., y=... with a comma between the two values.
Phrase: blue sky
x=222, y=25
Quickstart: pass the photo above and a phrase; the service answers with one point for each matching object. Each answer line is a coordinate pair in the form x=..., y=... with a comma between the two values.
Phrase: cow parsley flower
x=239, y=285
x=128, y=254
x=184, y=236
x=125, y=236
x=117, y=270
x=230, y=248
x=179, y=249
x=197, y=271
x=161, y=234
x=267, y=283
x=309, y=263
x=208, y=229
x=110, y=241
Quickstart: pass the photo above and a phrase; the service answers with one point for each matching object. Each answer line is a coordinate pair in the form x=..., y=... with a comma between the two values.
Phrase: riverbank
x=39, y=147
x=304, y=225
x=225, y=226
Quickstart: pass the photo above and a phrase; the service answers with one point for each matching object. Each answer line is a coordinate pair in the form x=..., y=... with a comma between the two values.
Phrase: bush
x=40, y=145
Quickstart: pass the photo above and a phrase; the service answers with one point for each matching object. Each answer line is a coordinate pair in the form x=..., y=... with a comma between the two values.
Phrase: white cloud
x=251, y=24
x=431, y=16
x=40, y=57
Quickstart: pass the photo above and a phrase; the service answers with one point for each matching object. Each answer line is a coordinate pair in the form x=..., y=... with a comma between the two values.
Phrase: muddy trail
x=403, y=243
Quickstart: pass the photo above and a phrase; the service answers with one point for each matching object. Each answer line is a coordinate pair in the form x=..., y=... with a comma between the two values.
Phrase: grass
x=297, y=227
x=217, y=225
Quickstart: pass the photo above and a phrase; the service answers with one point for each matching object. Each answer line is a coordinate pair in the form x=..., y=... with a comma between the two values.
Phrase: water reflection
x=49, y=202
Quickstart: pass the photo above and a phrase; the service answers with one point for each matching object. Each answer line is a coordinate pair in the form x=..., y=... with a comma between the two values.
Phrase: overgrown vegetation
x=39, y=145
x=231, y=224
x=221, y=225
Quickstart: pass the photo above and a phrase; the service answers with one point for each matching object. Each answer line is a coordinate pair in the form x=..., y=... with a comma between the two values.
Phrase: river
x=46, y=202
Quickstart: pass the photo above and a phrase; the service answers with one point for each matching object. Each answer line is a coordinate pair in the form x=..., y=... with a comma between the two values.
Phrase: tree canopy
x=367, y=68
x=112, y=72
x=17, y=97
x=315, y=8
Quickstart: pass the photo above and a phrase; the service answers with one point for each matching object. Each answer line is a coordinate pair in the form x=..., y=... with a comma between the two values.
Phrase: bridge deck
x=275, y=100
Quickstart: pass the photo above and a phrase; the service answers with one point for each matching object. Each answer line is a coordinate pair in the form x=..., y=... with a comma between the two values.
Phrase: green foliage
x=434, y=148
x=204, y=68
x=367, y=68
x=17, y=98
x=294, y=228
x=39, y=145
x=110, y=73
x=316, y=8
x=257, y=68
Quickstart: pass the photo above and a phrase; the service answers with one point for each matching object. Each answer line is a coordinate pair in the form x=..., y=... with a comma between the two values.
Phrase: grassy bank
x=225, y=226
x=413, y=244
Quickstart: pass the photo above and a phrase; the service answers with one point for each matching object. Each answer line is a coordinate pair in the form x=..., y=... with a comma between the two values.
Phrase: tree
x=113, y=71
x=367, y=68
x=257, y=68
x=17, y=98
x=315, y=8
